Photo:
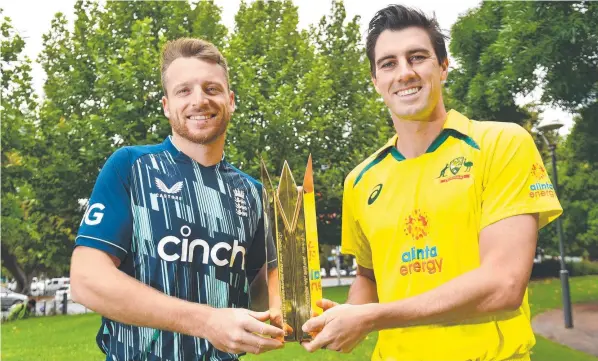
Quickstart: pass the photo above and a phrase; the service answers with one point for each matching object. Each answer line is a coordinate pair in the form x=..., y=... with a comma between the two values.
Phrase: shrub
x=552, y=268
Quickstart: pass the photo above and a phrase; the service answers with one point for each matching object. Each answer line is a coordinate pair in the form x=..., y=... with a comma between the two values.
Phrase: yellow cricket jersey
x=416, y=223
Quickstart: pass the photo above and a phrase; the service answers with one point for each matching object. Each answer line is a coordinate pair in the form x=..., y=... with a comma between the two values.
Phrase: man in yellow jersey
x=443, y=219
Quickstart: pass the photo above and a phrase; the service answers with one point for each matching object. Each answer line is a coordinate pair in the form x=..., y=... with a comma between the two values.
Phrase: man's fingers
x=287, y=329
x=256, y=344
x=263, y=328
x=317, y=343
x=315, y=324
x=261, y=316
x=325, y=303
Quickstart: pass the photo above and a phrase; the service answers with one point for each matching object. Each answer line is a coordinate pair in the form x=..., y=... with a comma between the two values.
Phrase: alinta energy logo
x=459, y=168
x=419, y=260
x=541, y=186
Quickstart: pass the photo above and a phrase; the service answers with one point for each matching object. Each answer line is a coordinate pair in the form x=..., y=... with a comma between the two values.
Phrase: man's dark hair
x=399, y=17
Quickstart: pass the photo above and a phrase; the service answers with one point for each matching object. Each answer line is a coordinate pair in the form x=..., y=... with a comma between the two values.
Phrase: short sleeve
x=353, y=241
x=516, y=182
x=107, y=223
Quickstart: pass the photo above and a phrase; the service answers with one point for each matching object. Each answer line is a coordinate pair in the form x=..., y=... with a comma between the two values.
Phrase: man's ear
x=165, y=106
x=231, y=99
x=375, y=82
x=444, y=70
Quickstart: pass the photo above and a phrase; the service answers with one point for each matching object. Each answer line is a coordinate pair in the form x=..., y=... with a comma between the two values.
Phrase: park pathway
x=584, y=334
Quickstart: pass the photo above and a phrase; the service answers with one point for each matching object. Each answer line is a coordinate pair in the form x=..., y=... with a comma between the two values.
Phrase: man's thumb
x=260, y=316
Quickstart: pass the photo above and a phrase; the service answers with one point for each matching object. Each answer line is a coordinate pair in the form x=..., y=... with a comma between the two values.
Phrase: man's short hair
x=190, y=48
x=399, y=17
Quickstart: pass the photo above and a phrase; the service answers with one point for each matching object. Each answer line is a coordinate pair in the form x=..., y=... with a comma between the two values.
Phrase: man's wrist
x=380, y=316
x=194, y=319
x=374, y=316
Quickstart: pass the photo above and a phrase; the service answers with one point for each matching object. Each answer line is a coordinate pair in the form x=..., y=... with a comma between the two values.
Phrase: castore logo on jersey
x=169, y=192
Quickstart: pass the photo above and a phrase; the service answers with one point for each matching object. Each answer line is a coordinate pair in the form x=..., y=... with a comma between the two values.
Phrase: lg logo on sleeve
x=93, y=217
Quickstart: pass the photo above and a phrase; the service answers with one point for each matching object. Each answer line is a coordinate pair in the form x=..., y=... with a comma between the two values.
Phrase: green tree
x=20, y=234
x=580, y=184
x=300, y=93
x=102, y=91
x=509, y=48
x=350, y=120
x=480, y=85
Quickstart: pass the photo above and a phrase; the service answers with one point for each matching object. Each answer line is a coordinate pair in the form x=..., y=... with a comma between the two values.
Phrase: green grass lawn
x=72, y=338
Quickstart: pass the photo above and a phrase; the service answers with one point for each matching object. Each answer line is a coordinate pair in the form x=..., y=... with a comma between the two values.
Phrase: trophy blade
x=308, y=179
x=287, y=195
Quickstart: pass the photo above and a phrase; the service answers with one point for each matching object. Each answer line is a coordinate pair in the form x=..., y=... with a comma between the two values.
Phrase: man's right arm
x=354, y=241
x=363, y=289
x=97, y=283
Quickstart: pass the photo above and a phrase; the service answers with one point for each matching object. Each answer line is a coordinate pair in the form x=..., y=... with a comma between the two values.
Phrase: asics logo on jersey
x=375, y=193
x=187, y=250
x=91, y=219
x=172, y=190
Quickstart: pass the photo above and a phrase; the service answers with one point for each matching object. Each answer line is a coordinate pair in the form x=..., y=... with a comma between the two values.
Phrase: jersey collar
x=456, y=125
x=458, y=122
x=174, y=151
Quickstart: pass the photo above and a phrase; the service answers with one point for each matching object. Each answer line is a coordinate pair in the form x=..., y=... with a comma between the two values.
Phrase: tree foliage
x=506, y=49
x=298, y=92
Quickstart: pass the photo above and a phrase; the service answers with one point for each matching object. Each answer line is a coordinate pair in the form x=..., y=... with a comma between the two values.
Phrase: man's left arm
x=507, y=249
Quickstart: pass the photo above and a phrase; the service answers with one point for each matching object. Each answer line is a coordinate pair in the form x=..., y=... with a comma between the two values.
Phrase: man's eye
x=388, y=64
x=182, y=91
x=417, y=58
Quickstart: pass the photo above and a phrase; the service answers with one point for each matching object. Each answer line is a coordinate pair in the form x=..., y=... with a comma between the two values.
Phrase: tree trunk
x=12, y=265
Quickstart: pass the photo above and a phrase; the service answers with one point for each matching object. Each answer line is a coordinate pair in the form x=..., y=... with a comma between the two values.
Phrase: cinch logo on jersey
x=417, y=260
x=455, y=166
x=542, y=186
x=169, y=192
x=186, y=251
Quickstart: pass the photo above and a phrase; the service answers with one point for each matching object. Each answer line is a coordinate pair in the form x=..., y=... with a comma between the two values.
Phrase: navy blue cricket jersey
x=189, y=231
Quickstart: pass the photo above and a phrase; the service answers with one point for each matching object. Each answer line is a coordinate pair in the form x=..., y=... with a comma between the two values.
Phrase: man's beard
x=180, y=126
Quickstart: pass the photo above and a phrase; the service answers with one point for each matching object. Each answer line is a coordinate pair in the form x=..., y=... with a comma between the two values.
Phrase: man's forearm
x=258, y=291
x=105, y=289
x=362, y=291
x=479, y=292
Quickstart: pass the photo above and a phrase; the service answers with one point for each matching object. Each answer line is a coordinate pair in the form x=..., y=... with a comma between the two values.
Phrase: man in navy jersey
x=173, y=236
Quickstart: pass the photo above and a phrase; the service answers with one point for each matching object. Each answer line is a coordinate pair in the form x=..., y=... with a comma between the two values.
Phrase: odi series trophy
x=294, y=282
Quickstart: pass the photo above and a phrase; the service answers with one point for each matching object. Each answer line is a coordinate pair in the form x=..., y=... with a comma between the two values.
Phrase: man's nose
x=199, y=97
x=404, y=71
